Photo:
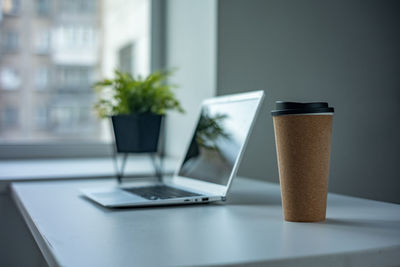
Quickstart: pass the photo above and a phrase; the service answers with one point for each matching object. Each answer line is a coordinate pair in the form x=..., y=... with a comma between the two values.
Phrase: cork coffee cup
x=303, y=141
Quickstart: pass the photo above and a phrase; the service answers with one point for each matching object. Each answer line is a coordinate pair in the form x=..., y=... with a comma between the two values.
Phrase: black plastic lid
x=287, y=108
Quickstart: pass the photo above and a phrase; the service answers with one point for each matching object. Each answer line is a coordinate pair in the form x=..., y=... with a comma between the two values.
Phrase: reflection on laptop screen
x=218, y=139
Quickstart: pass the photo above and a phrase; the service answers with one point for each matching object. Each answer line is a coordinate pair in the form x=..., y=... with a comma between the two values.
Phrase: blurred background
x=345, y=52
x=342, y=52
x=52, y=51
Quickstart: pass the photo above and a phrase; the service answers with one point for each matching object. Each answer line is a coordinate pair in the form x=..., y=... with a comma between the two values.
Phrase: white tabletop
x=248, y=229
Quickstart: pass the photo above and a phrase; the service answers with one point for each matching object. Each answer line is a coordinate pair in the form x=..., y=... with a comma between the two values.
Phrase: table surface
x=248, y=229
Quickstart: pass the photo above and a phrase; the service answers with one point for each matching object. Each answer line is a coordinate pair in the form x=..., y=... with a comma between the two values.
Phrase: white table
x=249, y=229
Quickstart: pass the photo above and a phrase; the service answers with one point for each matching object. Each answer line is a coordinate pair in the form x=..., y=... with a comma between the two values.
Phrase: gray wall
x=191, y=46
x=344, y=52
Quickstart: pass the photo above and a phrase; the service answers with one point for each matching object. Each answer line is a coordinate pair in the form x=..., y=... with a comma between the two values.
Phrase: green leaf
x=125, y=94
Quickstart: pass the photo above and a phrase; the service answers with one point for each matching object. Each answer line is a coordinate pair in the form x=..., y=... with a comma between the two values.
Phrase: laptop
x=209, y=164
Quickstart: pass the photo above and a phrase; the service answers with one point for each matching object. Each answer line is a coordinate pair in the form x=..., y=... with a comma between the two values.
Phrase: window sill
x=77, y=168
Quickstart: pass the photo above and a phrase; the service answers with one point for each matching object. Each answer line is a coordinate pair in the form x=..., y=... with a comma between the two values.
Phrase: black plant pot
x=137, y=133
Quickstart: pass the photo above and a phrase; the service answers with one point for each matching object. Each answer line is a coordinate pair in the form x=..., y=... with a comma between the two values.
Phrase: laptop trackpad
x=115, y=197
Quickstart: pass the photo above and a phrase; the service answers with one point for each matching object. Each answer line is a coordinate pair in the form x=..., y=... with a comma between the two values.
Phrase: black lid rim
x=288, y=107
x=302, y=111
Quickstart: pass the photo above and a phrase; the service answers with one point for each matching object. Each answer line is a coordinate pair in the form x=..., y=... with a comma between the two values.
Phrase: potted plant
x=136, y=107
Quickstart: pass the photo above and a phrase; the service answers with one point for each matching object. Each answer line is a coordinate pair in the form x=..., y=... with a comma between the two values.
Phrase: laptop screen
x=219, y=136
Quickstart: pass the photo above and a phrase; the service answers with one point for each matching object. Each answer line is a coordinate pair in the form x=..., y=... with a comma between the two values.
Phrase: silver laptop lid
x=218, y=142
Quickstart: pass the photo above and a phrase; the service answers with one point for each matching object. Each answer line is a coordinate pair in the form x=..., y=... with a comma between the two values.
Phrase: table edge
x=43, y=244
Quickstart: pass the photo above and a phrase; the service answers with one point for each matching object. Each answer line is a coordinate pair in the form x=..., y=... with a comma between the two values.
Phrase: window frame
x=68, y=149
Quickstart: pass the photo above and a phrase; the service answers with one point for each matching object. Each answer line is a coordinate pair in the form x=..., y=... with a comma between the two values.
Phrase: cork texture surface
x=303, y=145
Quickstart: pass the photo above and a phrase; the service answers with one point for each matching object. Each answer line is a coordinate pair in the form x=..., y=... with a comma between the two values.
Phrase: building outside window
x=42, y=78
x=10, y=7
x=74, y=78
x=10, y=41
x=67, y=117
x=79, y=6
x=43, y=7
x=42, y=42
x=75, y=37
x=10, y=79
x=9, y=118
x=52, y=53
x=41, y=117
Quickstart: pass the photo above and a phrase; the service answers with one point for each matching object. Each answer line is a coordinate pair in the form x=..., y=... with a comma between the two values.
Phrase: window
x=10, y=79
x=126, y=59
x=42, y=78
x=10, y=41
x=75, y=36
x=52, y=53
x=42, y=42
x=9, y=118
x=74, y=78
x=79, y=6
x=43, y=7
x=10, y=7
x=41, y=117
x=70, y=119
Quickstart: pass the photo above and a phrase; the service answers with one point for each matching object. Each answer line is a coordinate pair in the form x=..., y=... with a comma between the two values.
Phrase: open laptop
x=209, y=165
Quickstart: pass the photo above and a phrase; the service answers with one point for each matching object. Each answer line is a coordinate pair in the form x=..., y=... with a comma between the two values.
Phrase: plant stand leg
x=120, y=171
x=161, y=159
x=123, y=165
x=115, y=160
x=158, y=167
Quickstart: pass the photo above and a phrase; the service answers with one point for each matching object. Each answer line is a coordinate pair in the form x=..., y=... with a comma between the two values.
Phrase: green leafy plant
x=125, y=94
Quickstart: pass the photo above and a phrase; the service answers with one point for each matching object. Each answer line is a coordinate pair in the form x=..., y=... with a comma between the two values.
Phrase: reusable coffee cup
x=303, y=143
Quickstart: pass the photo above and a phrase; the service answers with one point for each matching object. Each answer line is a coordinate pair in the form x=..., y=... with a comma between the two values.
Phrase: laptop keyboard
x=160, y=192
